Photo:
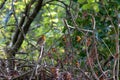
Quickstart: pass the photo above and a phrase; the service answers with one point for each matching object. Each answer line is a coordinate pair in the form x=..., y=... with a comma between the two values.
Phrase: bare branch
x=1, y=6
x=27, y=25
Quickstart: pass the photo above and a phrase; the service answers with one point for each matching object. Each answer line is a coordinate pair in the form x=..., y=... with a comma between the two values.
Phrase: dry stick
x=104, y=73
x=91, y=67
x=107, y=47
x=84, y=74
x=94, y=27
x=114, y=72
x=76, y=26
x=116, y=57
x=79, y=29
x=22, y=75
x=37, y=63
x=117, y=47
x=3, y=72
x=39, y=58
x=83, y=30
x=118, y=51
x=110, y=19
x=86, y=45
x=81, y=71
x=68, y=28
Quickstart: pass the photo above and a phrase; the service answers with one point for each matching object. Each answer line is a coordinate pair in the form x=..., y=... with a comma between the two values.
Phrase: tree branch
x=24, y=15
x=27, y=25
x=1, y=6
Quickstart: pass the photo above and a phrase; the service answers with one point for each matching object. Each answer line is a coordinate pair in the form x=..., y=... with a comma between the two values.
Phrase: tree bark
x=22, y=30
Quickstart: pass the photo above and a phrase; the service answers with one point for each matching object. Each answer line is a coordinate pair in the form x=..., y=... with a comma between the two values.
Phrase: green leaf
x=90, y=1
x=86, y=6
x=96, y=7
x=81, y=1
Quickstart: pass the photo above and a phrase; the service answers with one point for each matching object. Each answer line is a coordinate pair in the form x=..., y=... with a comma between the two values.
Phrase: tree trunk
x=21, y=31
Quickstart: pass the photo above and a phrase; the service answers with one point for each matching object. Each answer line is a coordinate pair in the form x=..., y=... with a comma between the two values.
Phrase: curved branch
x=1, y=6
x=27, y=25
x=24, y=15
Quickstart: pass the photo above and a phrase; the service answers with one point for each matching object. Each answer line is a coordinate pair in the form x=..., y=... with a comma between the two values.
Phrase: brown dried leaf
x=78, y=39
x=54, y=49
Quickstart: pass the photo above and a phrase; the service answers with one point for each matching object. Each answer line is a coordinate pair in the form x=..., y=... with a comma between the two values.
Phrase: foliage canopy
x=81, y=39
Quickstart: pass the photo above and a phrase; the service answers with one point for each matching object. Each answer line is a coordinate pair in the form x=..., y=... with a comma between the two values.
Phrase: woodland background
x=81, y=39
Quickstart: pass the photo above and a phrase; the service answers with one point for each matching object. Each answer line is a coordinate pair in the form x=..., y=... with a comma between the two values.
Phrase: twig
x=114, y=69
x=79, y=29
x=22, y=75
x=3, y=72
x=37, y=63
x=117, y=45
x=104, y=73
x=1, y=6
x=68, y=28
x=107, y=47
x=110, y=18
x=84, y=73
x=94, y=38
x=14, y=13
x=91, y=67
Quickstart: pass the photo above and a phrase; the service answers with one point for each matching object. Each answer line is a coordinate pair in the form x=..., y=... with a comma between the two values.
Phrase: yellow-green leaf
x=81, y=1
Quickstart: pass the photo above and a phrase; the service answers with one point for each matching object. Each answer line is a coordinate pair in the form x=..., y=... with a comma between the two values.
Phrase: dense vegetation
x=59, y=39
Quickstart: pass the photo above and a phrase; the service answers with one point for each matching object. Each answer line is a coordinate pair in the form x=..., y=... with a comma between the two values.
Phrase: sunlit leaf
x=96, y=7
x=90, y=1
x=81, y=1
x=86, y=6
